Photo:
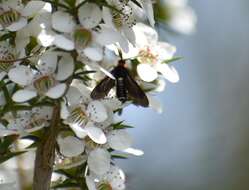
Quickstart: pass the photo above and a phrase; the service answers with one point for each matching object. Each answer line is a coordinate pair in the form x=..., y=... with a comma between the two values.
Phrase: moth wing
x=136, y=93
x=103, y=88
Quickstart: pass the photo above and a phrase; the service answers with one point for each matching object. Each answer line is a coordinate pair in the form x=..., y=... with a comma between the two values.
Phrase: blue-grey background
x=201, y=141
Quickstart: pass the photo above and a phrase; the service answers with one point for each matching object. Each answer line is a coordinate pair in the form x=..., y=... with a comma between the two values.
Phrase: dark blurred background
x=201, y=141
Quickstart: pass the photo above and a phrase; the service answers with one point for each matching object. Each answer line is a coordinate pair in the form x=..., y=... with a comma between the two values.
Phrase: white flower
x=118, y=27
x=45, y=81
x=8, y=56
x=14, y=16
x=148, y=8
x=63, y=22
x=182, y=17
x=70, y=146
x=89, y=15
x=27, y=121
x=99, y=161
x=151, y=54
x=113, y=179
x=81, y=116
x=119, y=139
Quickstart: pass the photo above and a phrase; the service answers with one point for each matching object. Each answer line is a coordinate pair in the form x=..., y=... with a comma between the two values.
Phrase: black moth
x=126, y=87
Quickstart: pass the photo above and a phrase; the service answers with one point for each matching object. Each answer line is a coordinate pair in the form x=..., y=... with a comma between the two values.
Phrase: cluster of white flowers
x=57, y=51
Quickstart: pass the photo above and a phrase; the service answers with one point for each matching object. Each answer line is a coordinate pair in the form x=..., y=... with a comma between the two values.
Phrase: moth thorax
x=77, y=116
x=147, y=56
x=44, y=83
x=104, y=186
x=9, y=17
x=6, y=61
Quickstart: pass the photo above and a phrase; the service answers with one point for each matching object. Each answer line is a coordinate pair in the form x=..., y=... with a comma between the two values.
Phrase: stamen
x=90, y=143
x=124, y=15
x=6, y=57
x=82, y=37
x=104, y=186
x=37, y=122
x=44, y=83
x=146, y=56
x=77, y=116
x=9, y=17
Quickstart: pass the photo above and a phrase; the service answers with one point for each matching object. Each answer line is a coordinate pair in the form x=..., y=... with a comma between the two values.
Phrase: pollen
x=147, y=56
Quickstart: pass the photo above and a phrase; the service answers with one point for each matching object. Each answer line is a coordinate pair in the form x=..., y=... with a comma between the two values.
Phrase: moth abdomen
x=121, y=91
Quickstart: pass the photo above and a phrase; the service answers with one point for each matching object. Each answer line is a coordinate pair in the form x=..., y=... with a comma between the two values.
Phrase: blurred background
x=201, y=141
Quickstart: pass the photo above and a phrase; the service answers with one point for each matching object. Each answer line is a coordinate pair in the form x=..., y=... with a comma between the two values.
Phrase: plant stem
x=45, y=154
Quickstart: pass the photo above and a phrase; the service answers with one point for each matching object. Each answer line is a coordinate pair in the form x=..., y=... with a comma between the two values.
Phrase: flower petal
x=23, y=95
x=97, y=111
x=48, y=62
x=164, y=50
x=57, y=91
x=146, y=72
x=64, y=43
x=119, y=139
x=169, y=72
x=70, y=146
x=116, y=178
x=108, y=36
x=155, y=104
x=94, y=53
x=78, y=130
x=148, y=7
x=63, y=22
x=21, y=75
x=90, y=183
x=95, y=133
x=73, y=96
x=17, y=25
x=46, y=38
x=32, y=8
x=5, y=132
x=99, y=161
x=89, y=15
x=133, y=151
x=65, y=68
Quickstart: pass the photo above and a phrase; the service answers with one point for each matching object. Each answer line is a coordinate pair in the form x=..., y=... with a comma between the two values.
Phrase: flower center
x=6, y=60
x=104, y=186
x=82, y=37
x=9, y=17
x=124, y=15
x=44, y=83
x=36, y=122
x=147, y=56
x=90, y=144
x=77, y=116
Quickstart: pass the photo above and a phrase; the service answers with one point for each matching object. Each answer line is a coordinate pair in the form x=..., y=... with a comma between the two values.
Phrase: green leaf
x=71, y=3
x=32, y=44
x=119, y=156
x=66, y=183
x=120, y=125
x=137, y=3
x=172, y=60
x=9, y=155
x=5, y=142
x=70, y=173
